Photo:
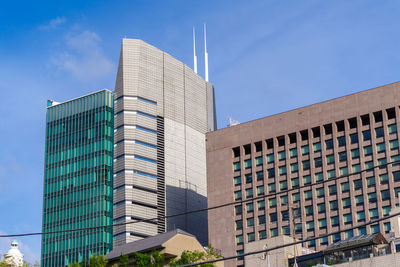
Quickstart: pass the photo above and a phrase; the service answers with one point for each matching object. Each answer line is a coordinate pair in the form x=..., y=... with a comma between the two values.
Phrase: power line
x=205, y=209
x=293, y=243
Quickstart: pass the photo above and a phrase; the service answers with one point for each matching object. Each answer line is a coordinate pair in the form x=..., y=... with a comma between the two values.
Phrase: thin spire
x=194, y=52
x=205, y=53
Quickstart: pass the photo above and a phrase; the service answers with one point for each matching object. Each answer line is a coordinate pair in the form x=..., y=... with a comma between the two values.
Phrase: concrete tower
x=162, y=111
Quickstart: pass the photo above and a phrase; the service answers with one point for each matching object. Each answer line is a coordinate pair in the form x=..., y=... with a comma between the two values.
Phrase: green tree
x=155, y=259
x=124, y=261
x=98, y=261
x=189, y=257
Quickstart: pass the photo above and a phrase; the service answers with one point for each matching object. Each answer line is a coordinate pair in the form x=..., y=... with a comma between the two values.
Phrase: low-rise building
x=171, y=244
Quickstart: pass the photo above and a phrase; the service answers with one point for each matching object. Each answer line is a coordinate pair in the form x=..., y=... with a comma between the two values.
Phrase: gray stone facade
x=162, y=112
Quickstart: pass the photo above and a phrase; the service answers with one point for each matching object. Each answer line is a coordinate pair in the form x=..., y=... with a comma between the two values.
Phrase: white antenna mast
x=205, y=53
x=194, y=52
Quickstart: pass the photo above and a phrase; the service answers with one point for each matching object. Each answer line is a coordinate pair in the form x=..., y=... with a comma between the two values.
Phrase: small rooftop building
x=171, y=244
x=14, y=257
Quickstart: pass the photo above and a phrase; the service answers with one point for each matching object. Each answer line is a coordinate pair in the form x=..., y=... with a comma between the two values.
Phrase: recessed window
x=236, y=152
x=305, y=150
x=384, y=178
x=247, y=149
x=282, y=170
x=329, y=144
x=373, y=214
x=356, y=168
x=332, y=190
x=342, y=156
x=333, y=205
x=270, y=143
x=281, y=140
x=394, y=144
x=296, y=197
x=335, y=221
x=306, y=165
x=271, y=173
x=359, y=200
x=380, y=147
x=355, y=153
x=271, y=188
x=378, y=116
x=345, y=187
x=347, y=219
x=392, y=128
x=318, y=162
x=273, y=217
x=292, y=138
x=258, y=146
x=295, y=182
x=274, y=232
x=317, y=147
x=262, y=234
x=284, y=200
x=353, y=123
x=357, y=184
x=259, y=161
x=367, y=150
x=247, y=164
x=371, y=181
x=340, y=126
x=354, y=138
x=328, y=128
x=236, y=166
x=261, y=220
x=249, y=193
x=238, y=210
x=385, y=194
x=372, y=197
x=375, y=229
x=261, y=205
x=321, y=208
x=239, y=225
x=365, y=119
x=249, y=178
x=308, y=195
x=260, y=176
x=293, y=152
x=343, y=171
x=260, y=190
x=391, y=113
x=322, y=224
x=330, y=159
x=283, y=185
x=331, y=174
x=249, y=207
x=319, y=177
x=320, y=192
x=270, y=158
x=239, y=239
x=308, y=210
x=237, y=180
x=316, y=132
x=272, y=202
x=361, y=216
x=251, y=237
x=366, y=135
x=304, y=135
x=307, y=179
x=379, y=132
x=346, y=203
x=341, y=141
x=281, y=155
x=250, y=222
x=238, y=195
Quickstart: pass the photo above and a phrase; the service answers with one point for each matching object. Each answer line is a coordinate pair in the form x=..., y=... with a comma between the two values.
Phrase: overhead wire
x=264, y=196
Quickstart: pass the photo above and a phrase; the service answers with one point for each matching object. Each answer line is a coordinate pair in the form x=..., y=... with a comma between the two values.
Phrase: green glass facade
x=78, y=179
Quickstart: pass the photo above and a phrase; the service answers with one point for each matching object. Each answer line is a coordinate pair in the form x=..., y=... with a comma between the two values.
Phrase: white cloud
x=54, y=23
x=83, y=57
x=29, y=255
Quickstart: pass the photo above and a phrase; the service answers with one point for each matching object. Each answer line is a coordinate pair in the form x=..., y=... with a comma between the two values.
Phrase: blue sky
x=265, y=57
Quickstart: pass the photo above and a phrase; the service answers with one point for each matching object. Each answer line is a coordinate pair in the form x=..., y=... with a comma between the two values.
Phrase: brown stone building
x=346, y=142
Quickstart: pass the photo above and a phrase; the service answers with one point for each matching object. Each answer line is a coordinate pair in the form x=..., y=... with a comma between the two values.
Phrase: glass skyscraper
x=78, y=178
